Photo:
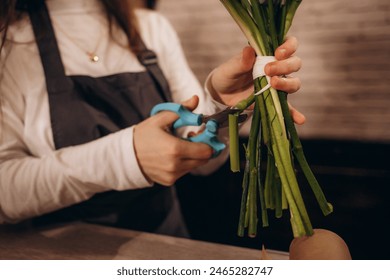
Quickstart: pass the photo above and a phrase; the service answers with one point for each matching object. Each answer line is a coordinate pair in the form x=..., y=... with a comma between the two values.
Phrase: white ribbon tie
x=258, y=71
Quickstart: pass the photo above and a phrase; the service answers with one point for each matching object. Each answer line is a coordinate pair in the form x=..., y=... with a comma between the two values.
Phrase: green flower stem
x=233, y=143
x=326, y=207
x=246, y=5
x=296, y=220
x=246, y=24
x=292, y=8
x=259, y=84
x=272, y=26
x=260, y=23
x=245, y=103
x=284, y=200
x=265, y=26
x=266, y=135
x=252, y=149
x=277, y=136
x=269, y=181
x=293, y=225
x=281, y=152
x=252, y=203
x=278, y=196
x=264, y=215
x=282, y=20
x=244, y=196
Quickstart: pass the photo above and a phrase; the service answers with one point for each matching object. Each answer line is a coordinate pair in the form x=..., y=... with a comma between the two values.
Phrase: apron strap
x=50, y=54
x=149, y=60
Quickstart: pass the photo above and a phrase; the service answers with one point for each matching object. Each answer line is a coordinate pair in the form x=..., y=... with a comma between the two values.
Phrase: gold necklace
x=92, y=55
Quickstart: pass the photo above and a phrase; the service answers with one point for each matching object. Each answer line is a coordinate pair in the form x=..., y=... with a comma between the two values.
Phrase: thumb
x=241, y=63
x=165, y=119
x=248, y=57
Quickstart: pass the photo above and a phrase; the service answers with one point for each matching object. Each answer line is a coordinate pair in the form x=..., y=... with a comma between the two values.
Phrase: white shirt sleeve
x=32, y=185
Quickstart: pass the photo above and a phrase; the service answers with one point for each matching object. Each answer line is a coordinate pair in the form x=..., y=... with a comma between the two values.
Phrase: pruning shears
x=212, y=123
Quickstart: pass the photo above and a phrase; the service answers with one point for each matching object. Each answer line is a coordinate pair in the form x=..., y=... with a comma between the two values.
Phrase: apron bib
x=83, y=109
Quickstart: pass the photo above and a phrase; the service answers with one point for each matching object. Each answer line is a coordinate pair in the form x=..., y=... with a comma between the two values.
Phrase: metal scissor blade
x=241, y=118
x=222, y=118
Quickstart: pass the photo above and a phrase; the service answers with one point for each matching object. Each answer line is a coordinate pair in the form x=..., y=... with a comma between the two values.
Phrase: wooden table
x=85, y=241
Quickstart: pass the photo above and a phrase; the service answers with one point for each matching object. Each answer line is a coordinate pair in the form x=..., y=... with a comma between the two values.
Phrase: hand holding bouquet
x=265, y=25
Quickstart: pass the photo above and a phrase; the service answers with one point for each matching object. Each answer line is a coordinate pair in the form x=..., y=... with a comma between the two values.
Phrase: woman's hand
x=233, y=81
x=163, y=157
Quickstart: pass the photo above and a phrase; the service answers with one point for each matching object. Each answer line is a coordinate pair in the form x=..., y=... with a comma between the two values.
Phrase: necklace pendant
x=93, y=57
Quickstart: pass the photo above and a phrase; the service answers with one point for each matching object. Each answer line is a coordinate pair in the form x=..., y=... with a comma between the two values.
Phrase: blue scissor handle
x=209, y=137
x=187, y=118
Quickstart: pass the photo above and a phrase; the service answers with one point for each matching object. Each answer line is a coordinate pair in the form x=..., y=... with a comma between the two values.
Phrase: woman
x=78, y=81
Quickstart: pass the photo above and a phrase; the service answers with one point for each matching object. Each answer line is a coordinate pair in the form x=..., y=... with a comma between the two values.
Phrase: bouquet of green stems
x=265, y=24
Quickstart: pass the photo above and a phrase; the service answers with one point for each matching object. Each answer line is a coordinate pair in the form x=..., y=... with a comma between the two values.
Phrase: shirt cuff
x=213, y=94
x=130, y=162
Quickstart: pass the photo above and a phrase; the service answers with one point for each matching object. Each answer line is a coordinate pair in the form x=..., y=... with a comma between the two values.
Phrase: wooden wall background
x=345, y=47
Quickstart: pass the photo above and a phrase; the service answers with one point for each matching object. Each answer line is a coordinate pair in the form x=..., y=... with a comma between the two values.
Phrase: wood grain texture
x=92, y=242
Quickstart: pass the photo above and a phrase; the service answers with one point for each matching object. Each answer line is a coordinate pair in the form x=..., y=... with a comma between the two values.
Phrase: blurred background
x=345, y=48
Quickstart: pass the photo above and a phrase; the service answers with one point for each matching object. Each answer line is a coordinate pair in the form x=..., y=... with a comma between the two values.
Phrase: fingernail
x=269, y=69
x=282, y=52
x=280, y=82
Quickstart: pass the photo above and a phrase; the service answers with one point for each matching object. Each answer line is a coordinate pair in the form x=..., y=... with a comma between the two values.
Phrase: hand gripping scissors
x=212, y=123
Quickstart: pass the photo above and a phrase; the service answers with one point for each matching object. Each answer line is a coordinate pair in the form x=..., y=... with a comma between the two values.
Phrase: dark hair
x=151, y=4
x=7, y=15
x=120, y=12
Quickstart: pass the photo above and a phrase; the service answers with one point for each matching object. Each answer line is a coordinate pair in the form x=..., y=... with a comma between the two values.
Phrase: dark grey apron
x=83, y=109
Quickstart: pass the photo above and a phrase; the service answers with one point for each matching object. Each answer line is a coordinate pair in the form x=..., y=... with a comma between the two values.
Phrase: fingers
x=240, y=64
x=248, y=57
x=287, y=49
x=188, y=150
x=162, y=157
x=286, y=84
x=283, y=67
x=177, y=160
x=286, y=64
x=297, y=116
x=179, y=148
x=181, y=159
x=191, y=103
x=174, y=170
